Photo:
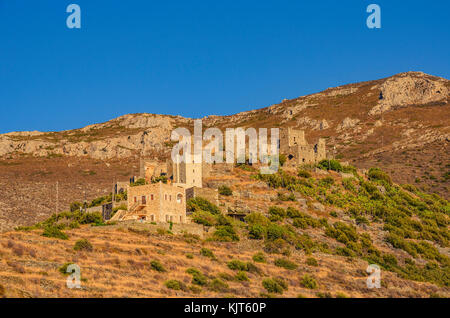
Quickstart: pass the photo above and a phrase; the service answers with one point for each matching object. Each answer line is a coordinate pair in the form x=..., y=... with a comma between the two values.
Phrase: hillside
x=312, y=233
x=406, y=132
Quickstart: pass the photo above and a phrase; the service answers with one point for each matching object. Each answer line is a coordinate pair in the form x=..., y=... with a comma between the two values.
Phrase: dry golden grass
x=119, y=266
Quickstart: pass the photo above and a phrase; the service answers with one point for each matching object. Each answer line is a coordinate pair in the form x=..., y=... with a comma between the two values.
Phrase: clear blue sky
x=195, y=58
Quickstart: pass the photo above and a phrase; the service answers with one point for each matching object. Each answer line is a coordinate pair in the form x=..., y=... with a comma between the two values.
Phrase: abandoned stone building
x=186, y=175
x=149, y=169
x=182, y=174
x=120, y=187
x=156, y=202
x=297, y=150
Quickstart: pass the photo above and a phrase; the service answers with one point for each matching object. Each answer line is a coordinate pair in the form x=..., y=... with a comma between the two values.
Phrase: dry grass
x=119, y=266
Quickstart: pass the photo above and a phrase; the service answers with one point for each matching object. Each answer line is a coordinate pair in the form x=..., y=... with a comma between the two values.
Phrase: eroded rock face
x=314, y=124
x=347, y=123
x=409, y=89
x=155, y=131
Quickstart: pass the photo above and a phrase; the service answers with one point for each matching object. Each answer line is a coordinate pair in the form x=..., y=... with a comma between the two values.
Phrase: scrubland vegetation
x=286, y=250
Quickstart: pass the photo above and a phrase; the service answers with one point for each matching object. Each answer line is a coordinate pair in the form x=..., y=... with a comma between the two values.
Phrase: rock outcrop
x=410, y=89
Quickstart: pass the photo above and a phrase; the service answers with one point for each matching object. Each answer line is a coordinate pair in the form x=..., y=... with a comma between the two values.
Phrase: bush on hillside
x=275, y=285
x=225, y=190
x=376, y=174
x=53, y=231
x=285, y=263
x=83, y=245
x=201, y=204
x=308, y=281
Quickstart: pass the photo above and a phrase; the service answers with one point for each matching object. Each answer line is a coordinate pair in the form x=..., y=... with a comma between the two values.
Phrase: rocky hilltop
x=342, y=114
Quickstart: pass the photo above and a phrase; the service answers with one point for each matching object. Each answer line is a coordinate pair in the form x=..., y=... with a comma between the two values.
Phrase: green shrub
x=252, y=268
x=241, y=276
x=192, y=271
x=376, y=174
x=345, y=251
x=189, y=255
x=308, y=281
x=157, y=266
x=332, y=164
x=285, y=263
x=311, y=261
x=63, y=269
x=293, y=213
x=342, y=233
x=259, y=258
x=201, y=204
x=275, y=246
x=304, y=174
x=256, y=232
x=225, y=276
x=138, y=182
x=173, y=284
x=207, y=252
x=204, y=217
x=347, y=183
x=257, y=218
x=195, y=289
x=225, y=233
x=197, y=277
x=75, y=206
x=218, y=285
x=283, y=197
x=53, y=231
x=327, y=181
x=361, y=220
x=163, y=179
x=282, y=159
x=91, y=218
x=275, y=231
x=277, y=213
x=225, y=190
x=275, y=285
x=237, y=265
x=74, y=225
x=83, y=245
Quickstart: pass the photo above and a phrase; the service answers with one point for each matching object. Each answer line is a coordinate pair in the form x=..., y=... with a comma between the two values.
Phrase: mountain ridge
x=409, y=141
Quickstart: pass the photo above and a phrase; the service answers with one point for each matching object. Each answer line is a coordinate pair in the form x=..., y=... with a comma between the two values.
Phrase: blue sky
x=194, y=58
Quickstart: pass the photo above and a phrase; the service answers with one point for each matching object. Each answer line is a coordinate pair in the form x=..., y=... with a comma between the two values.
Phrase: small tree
x=83, y=244
x=75, y=206
x=282, y=159
x=225, y=190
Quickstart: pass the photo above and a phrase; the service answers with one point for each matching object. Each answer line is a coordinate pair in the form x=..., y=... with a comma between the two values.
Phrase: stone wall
x=151, y=168
x=212, y=195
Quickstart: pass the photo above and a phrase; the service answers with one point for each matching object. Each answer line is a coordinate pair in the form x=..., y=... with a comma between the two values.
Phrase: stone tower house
x=297, y=150
x=157, y=202
x=185, y=175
